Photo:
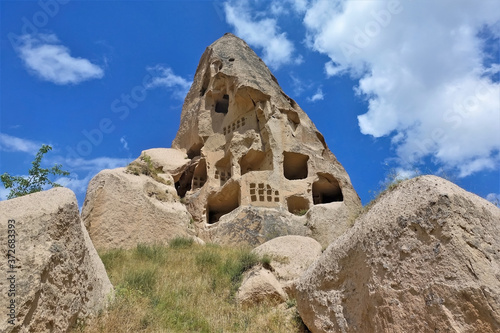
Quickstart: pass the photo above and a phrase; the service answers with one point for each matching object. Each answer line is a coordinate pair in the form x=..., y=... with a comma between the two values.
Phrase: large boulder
x=323, y=219
x=259, y=285
x=252, y=146
x=52, y=274
x=290, y=255
x=252, y=226
x=424, y=258
x=124, y=207
x=166, y=160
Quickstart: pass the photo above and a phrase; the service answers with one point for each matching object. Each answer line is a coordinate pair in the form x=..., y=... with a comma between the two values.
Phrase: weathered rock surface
x=59, y=276
x=166, y=160
x=320, y=219
x=254, y=225
x=424, y=258
x=260, y=285
x=291, y=255
x=252, y=146
x=122, y=209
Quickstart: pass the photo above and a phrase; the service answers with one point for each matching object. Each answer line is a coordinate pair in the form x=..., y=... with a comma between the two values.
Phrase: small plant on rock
x=300, y=212
x=266, y=261
x=146, y=168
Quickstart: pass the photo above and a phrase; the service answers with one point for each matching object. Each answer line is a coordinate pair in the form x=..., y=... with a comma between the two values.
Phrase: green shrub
x=266, y=261
x=38, y=177
x=235, y=267
x=180, y=243
x=147, y=168
x=290, y=303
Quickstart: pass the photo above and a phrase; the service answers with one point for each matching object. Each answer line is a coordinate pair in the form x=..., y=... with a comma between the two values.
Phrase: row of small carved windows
x=263, y=192
x=223, y=176
x=198, y=182
x=234, y=126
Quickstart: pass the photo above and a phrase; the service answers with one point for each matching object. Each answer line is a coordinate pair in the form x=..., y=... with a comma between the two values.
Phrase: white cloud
x=14, y=144
x=165, y=77
x=318, y=96
x=44, y=55
x=300, y=6
x=263, y=33
x=421, y=69
x=281, y=7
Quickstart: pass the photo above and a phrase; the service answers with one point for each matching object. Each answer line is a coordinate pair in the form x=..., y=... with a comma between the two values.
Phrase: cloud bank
x=44, y=56
x=263, y=33
x=424, y=71
x=9, y=143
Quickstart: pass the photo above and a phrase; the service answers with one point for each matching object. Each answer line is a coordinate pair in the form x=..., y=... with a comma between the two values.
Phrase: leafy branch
x=38, y=177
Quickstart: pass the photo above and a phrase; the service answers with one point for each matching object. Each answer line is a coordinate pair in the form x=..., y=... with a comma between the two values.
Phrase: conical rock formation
x=257, y=159
x=247, y=163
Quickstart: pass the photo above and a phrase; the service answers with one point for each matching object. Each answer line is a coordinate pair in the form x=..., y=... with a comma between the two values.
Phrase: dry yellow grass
x=184, y=288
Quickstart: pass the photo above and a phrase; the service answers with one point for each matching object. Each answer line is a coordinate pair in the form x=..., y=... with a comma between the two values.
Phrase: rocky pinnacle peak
x=251, y=145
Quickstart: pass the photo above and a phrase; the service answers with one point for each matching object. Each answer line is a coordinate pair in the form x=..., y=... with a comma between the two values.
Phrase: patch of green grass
x=112, y=257
x=155, y=252
x=143, y=281
x=235, y=267
x=207, y=260
x=184, y=288
x=180, y=243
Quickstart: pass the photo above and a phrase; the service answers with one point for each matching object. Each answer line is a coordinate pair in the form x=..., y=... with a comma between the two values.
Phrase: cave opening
x=256, y=160
x=295, y=165
x=326, y=189
x=222, y=106
x=297, y=205
x=223, y=202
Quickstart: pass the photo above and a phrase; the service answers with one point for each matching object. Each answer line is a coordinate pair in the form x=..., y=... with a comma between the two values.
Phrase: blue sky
x=405, y=86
